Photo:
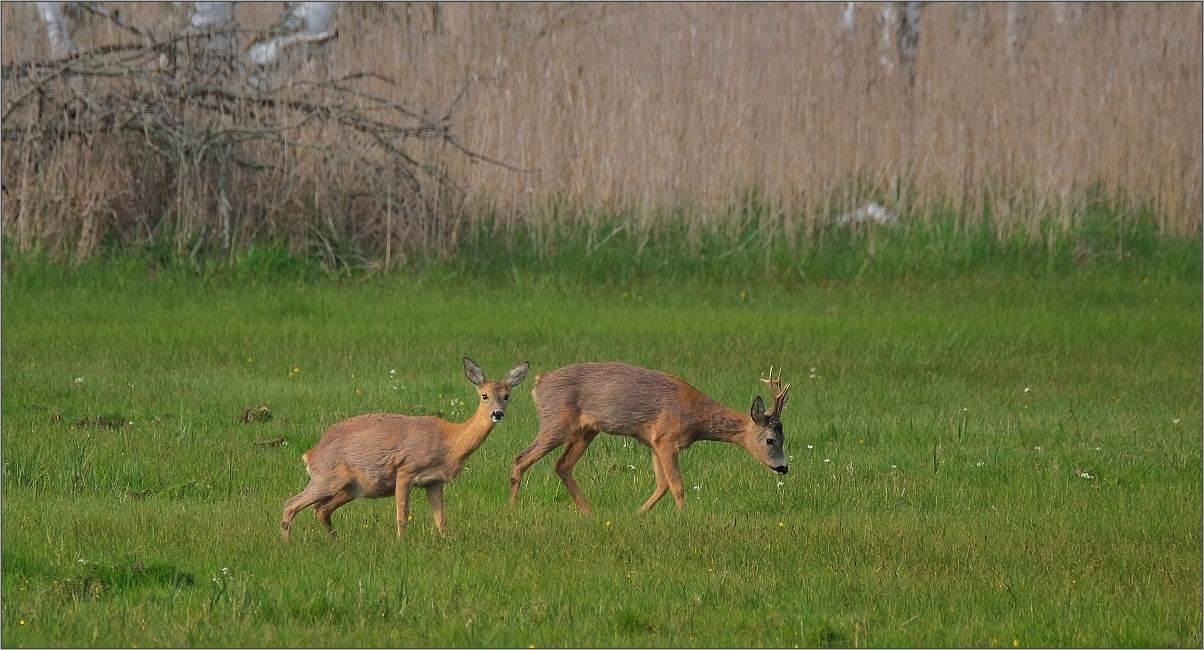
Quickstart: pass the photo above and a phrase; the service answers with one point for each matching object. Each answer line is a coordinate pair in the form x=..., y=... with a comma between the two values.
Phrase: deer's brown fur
x=384, y=454
x=663, y=412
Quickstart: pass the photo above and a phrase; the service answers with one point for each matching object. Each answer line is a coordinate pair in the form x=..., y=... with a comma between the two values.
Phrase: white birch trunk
x=888, y=24
x=61, y=45
x=207, y=16
x=1017, y=28
x=303, y=23
x=909, y=40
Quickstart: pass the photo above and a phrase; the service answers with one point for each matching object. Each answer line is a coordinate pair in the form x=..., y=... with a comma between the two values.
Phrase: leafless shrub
x=177, y=140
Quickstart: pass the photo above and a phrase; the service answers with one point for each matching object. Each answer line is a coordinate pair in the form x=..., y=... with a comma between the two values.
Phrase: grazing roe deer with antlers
x=663, y=412
x=383, y=454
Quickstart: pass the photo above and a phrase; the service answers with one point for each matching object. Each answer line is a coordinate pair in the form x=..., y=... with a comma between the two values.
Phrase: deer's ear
x=758, y=411
x=473, y=372
x=516, y=375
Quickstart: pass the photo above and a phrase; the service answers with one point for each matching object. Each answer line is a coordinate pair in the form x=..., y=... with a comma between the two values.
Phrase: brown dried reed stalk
x=689, y=108
x=650, y=111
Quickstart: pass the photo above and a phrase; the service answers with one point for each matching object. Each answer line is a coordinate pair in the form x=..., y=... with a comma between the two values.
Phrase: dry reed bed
x=656, y=110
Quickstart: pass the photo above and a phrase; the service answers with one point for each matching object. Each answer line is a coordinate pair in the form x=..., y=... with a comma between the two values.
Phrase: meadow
x=1007, y=455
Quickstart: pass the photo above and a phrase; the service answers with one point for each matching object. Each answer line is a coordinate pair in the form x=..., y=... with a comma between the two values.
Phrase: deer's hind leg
x=313, y=493
x=564, y=467
x=549, y=438
x=328, y=505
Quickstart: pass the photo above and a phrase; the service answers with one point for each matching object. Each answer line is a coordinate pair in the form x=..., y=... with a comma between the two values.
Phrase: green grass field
x=991, y=459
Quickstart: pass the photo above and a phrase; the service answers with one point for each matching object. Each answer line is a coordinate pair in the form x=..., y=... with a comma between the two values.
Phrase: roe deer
x=661, y=411
x=383, y=454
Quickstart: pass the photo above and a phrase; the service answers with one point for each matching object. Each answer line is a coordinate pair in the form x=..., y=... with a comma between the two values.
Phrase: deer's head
x=494, y=394
x=766, y=440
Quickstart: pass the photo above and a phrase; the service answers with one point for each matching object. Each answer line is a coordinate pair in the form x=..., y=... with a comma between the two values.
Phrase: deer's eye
x=769, y=442
x=506, y=398
x=484, y=397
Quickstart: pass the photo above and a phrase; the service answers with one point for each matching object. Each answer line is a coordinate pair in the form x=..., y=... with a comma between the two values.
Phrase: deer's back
x=618, y=398
x=379, y=443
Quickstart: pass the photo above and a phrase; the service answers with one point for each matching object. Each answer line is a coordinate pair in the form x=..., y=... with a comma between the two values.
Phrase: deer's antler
x=779, y=393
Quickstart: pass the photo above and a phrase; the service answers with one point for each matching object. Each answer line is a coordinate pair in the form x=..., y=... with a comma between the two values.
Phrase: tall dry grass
x=663, y=110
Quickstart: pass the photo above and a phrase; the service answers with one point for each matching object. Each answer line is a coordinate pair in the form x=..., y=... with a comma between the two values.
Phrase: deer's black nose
x=497, y=416
x=782, y=469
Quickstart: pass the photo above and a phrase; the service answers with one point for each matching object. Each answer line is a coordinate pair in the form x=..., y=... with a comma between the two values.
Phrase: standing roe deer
x=661, y=411
x=383, y=454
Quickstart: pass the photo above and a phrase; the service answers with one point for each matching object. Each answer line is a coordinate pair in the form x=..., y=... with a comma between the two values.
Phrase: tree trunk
x=61, y=45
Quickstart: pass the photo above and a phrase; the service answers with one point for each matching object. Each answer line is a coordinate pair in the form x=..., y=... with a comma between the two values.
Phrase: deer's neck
x=724, y=425
x=465, y=437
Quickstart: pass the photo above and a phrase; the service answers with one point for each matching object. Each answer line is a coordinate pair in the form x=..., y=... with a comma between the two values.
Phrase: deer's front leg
x=662, y=485
x=672, y=474
x=434, y=495
x=404, y=483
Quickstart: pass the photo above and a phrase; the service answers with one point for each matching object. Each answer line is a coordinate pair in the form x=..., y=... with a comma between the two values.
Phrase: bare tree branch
x=197, y=120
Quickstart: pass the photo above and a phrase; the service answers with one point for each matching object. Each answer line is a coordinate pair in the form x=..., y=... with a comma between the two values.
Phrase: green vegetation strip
x=995, y=459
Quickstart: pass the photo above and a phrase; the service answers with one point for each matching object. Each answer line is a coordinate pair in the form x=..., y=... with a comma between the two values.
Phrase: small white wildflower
x=225, y=571
x=1176, y=420
x=631, y=467
x=83, y=561
x=1085, y=475
x=978, y=464
x=392, y=371
x=812, y=369
x=965, y=409
x=697, y=488
x=894, y=467
x=79, y=380
x=131, y=423
x=827, y=460
x=1097, y=448
x=812, y=376
x=810, y=446
x=1037, y=448
x=792, y=458
x=780, y=484
x=1026, y=389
